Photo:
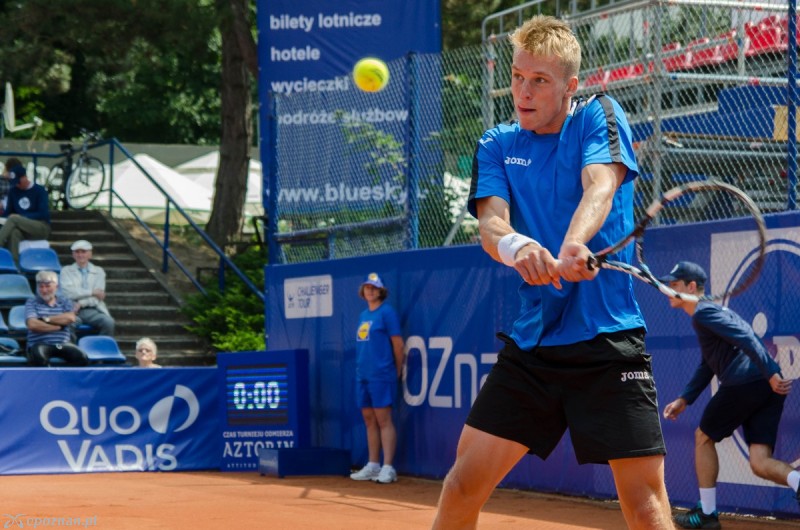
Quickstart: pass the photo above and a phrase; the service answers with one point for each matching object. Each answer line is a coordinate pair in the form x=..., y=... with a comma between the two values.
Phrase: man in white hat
x=84, y=283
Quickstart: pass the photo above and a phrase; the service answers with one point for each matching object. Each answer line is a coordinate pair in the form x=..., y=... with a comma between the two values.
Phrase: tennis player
x=751, y=394
x=555, y=184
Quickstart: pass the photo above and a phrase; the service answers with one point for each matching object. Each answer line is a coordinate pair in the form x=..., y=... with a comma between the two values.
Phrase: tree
x=239, y=63
x=147, y=70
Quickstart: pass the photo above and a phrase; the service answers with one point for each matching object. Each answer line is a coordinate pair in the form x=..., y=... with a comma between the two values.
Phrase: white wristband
x=509, y=245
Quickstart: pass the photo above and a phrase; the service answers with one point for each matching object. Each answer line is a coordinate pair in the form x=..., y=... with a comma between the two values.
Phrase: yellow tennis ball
x=371, y=74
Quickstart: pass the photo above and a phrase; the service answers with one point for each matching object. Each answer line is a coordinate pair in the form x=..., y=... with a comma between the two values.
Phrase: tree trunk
x=230, y=189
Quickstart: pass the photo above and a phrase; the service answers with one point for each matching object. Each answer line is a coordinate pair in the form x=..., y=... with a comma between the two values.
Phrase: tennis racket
x=701, y=201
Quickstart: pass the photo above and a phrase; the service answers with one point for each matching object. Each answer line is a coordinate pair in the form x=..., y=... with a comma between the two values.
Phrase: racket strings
x=709, y=201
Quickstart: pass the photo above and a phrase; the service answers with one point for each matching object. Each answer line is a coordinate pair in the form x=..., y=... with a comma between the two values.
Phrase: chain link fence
x=704, y=87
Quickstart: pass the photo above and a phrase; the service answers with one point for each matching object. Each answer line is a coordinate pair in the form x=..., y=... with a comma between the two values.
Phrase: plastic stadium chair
x=10, y=354
x=7, y=265
x=33, y=243
x=15, y=289
x=16, y=326
x=102, y=349
x=82, y=330
x=33, y=260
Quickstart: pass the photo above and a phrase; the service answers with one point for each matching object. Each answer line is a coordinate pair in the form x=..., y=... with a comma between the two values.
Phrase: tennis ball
x=371, y=74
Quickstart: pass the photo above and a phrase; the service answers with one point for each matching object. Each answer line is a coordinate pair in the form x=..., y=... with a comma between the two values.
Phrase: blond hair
x=548, y=36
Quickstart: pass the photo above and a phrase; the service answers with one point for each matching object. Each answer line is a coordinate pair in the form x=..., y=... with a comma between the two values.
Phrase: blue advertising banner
x=307, y=51
x=312, y=45
x=108, y=419
x=451, y=301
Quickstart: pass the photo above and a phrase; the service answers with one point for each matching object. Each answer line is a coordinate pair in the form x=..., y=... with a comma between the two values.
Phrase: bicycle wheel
x=54, y=184
x=85, y=182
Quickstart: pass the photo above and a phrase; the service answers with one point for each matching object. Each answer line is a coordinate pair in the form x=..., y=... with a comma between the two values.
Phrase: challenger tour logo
x=78, y=428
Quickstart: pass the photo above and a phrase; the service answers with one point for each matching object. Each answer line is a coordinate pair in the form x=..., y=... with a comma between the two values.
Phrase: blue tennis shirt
x=540, y=178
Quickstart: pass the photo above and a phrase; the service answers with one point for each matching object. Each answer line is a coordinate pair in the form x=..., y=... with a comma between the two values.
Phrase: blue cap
x=686, y=271
x=15, y=173
x=374, y=280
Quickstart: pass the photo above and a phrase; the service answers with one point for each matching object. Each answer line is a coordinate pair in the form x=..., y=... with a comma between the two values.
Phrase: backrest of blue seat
x=39, y=259
x=16, y=319
x=15, y=286
x=101, y=348
x=7, y=265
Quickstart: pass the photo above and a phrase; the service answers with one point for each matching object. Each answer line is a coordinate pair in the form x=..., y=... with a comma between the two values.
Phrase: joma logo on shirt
x=629, y=376
x=514, y=161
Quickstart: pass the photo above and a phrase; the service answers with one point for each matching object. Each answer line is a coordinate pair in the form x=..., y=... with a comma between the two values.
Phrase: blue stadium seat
x=16, y=321
x=10, y=353
x=33, y=260
x=102, y=349
x=7, y=265
x=15, y=289
x=83, y=330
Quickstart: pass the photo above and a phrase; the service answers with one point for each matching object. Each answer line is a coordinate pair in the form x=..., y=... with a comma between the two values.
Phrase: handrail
x=169, y=204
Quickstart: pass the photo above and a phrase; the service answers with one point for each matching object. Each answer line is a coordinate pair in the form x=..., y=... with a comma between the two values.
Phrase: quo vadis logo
x=93, y=427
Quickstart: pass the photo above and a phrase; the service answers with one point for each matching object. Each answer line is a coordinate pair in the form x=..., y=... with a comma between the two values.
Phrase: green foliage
x=140, y=71
x=233, y=319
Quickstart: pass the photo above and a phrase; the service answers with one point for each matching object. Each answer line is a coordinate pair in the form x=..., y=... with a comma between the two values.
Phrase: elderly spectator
x=146, y=352
x=48, y=317
x=84, y=283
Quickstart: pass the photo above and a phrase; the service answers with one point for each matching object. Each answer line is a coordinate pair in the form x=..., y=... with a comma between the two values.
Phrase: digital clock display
x=257, y=394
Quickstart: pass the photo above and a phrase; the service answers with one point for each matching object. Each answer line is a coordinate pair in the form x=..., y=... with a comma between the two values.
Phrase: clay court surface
x=200, y=500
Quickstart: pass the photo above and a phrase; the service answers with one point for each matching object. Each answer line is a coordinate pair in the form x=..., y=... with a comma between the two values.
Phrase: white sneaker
x=367, y=472
x=387, y=475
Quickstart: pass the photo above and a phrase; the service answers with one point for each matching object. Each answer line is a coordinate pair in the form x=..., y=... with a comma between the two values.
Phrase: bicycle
x=76, y=184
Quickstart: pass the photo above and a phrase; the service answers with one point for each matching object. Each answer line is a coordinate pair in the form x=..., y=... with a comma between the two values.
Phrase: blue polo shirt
x=540, y=178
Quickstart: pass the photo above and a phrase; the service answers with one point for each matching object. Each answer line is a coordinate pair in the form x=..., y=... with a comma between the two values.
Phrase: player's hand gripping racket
x=704, y=201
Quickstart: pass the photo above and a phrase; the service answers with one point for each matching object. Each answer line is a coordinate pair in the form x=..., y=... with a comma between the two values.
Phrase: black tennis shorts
x=754, y=406
x=602, y=389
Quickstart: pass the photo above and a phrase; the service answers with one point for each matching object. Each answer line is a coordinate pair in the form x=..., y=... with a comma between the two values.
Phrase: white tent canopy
x=145, y=199
x=203, y=171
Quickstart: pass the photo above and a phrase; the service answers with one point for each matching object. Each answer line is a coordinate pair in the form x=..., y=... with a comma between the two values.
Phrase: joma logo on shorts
x=628, y=376
x=512, y=160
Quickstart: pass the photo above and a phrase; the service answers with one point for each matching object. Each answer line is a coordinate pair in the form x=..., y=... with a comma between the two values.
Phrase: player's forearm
x=492, y=231
x=592, y=212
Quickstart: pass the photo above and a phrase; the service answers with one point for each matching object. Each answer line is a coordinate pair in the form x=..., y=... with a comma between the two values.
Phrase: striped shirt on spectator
x=38, y=308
